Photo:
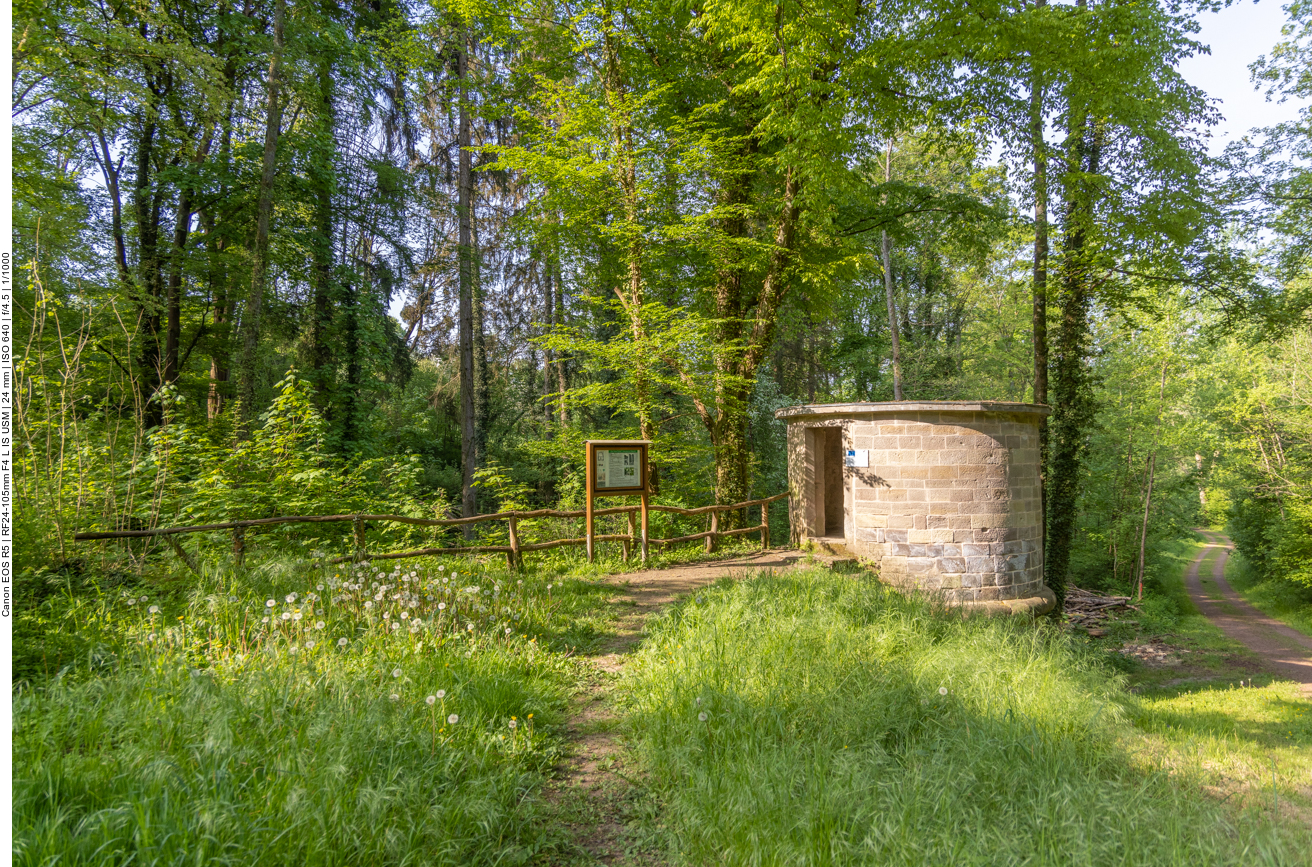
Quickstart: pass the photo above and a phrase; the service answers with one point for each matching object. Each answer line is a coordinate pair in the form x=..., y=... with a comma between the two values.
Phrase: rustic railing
x=514, y=551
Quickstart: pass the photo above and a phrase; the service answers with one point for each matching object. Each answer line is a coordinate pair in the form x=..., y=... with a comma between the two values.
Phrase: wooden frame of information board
x=617, y=468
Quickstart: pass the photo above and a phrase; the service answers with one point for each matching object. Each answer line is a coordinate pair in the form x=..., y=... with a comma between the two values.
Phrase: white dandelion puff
x=286, y=615
x=702, y=716
x=154, y=609
x=341, y=642
x=396, y=672
x=395, y=696
x=453, y=719
x=942, y=690
x=432, y=700
x=441, y=693
x=269, y=603
x=320, y=625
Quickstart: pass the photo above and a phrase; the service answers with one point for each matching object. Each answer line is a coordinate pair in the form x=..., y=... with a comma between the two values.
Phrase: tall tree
x=250, y=325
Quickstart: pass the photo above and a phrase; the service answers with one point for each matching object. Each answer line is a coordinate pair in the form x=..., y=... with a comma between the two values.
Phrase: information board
x=618, y=468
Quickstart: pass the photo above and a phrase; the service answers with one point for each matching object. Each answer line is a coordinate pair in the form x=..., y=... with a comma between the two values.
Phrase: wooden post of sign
x=589, y=471
x=644, y=521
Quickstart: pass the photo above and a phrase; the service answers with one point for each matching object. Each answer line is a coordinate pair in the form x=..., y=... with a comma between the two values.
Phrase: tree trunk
x=323, y=181
x=469, y=433
x=1073, y=407
x=1039, y=322
x=173, y=306
x=218, y=279
x=1152, y=468
x=887, y=249
x=250, y=325
x=146, y=207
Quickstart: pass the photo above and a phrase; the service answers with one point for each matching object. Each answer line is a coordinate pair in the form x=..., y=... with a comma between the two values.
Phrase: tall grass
x=818, y=719
x=363, y=717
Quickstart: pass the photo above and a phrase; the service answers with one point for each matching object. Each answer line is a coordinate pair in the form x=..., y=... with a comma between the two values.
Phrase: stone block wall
x=950, y=501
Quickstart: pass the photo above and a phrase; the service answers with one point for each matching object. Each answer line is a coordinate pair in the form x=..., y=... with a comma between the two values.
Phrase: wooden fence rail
x=514, y=551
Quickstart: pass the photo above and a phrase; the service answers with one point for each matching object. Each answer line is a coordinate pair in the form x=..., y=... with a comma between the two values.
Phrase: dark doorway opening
x=826, y=517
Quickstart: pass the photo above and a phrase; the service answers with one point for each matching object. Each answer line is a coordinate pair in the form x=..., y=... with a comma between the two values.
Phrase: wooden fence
x=514, y=551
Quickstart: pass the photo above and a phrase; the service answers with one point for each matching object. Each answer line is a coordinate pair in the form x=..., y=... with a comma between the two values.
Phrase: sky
x=1238, y=36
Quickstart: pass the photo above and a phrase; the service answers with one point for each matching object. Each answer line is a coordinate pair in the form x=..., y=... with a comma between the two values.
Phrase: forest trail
x=592, y=789
x=1284, y=651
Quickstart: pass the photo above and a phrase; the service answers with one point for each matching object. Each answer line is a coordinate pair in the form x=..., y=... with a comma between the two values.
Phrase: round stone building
x=941, y=496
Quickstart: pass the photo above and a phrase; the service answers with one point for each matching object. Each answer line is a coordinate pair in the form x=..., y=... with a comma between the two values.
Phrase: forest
x=324, y=257
x=443, y=244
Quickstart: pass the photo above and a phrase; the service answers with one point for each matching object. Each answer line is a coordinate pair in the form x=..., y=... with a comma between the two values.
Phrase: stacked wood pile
x=1089, y=610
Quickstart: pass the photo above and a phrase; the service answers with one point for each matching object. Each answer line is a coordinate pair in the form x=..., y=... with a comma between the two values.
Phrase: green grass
x=1283, y=600
x=1249, y=745
x=215, y=731
x=846, y=724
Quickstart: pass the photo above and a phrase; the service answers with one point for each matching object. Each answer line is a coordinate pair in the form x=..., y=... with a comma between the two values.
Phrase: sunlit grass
x=293, y=715
x=1251, y=745
x=819, y=719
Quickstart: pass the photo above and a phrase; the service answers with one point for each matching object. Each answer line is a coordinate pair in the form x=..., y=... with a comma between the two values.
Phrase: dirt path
x=592, y=789
x=1284, y=651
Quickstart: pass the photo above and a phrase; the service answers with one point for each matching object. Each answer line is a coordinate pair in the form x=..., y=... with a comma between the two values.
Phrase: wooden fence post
x=513, y=555
x=357, y=524
x=239, y=545
x=715, y=528
x=628, y=543
x=765, y=526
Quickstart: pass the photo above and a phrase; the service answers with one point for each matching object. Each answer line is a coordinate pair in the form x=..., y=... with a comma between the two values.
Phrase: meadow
x=294, y=713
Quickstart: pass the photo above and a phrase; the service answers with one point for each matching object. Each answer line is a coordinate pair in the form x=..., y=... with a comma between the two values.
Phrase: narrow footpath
x=592, y=789
x=1284, y=651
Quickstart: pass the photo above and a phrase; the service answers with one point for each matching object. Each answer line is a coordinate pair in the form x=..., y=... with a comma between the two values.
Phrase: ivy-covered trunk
x=1073, y=405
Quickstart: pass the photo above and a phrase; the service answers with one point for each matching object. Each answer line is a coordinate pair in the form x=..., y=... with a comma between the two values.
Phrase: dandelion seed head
x=286, y=615
x=453, y=719
x=341, y=642
x=394, y=696
x=269, y=603
x=702, y=716
x=319, y=625
x=441, y=693
x=942, y=690
x=154, y=609
x=396, y=672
